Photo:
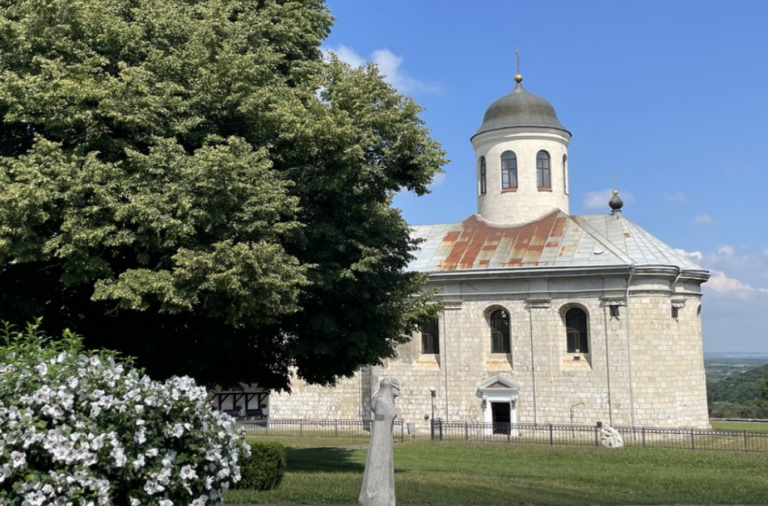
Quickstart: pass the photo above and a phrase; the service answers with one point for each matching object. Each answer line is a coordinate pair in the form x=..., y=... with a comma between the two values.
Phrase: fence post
x=301, y=427
x=597, y=435
x=402, y=431
x=551, y=435
x=643, y=431
x=746, y=447
x=693, y=444
x=466, y=431
x=441, y=430
x=336, y=428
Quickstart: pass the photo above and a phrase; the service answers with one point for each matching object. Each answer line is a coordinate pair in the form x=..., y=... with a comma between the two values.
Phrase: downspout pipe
x=629, y=347
x=674, y=283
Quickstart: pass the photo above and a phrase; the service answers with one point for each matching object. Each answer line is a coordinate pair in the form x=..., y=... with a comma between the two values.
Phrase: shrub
x=78, y=429
x=265, y=468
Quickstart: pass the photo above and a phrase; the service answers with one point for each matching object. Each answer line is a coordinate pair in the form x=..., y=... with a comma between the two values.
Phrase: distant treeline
x=740, y=396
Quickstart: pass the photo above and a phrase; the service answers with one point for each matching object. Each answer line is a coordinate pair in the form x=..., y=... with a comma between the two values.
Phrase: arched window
x=483, y=187
x=500, y=332
x=430, y=337
x=565, y=174
x=508, y=170
x=543, y=179
x=576, y=330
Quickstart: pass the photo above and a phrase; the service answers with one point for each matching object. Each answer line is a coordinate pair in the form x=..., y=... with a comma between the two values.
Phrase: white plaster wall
x=527, y=203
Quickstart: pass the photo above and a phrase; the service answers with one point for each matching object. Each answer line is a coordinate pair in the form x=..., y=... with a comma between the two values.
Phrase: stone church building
x=548, y=317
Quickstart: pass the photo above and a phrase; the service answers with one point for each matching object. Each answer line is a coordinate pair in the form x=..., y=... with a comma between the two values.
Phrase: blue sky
x=670, y=97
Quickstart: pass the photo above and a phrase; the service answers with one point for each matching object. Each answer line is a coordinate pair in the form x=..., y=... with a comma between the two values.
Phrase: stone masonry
x=667, y=387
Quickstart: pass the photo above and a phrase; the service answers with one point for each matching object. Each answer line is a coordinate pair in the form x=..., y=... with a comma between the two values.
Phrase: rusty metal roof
x=555, y=240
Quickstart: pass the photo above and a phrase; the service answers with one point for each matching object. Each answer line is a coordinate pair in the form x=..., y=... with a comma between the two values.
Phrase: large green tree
x=191, y=183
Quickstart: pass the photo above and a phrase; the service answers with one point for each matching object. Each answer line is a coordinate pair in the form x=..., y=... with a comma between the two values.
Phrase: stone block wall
x=665, y=382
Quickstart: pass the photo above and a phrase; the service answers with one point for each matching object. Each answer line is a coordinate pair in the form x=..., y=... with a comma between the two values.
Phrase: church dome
x=520, y=109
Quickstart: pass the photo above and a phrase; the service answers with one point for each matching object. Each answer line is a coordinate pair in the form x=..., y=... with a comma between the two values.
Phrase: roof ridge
x=604, y=241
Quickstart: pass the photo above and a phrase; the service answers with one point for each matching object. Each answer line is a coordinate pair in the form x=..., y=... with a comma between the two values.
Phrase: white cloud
x=390, y=66
x=703, y=219
x=736, y=297
x=676, y=197
x=439, y=179
x=696, y=256
x=728, y=258
x=721, y=283
x=599, y=199
x=348, y=56
x=726, y=251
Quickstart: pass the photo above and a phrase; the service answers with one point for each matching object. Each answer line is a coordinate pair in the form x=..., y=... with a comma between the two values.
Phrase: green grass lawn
x=750, y=426
x=466, y=473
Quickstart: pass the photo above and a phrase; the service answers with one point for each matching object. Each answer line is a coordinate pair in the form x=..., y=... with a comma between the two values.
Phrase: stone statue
x=610, y=437
x=379, y=478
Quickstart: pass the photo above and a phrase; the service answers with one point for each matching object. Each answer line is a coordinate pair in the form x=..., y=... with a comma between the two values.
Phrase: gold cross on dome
x=518, y=57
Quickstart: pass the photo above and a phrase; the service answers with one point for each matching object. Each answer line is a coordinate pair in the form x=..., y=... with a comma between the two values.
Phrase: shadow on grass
x=325, y=460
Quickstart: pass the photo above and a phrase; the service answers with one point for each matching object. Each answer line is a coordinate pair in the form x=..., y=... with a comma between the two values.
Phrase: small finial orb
x=518, y=78
x=615, y=203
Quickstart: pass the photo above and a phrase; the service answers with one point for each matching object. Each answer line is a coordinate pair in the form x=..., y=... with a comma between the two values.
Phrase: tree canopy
x=742, y=395
x=194, y=184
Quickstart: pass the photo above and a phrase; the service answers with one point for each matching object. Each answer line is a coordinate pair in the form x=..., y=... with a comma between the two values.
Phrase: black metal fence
x=314, y=428
x=589, y=435
x=582, y=435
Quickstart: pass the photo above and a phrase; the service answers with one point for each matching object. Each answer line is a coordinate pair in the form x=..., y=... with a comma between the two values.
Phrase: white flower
x=35, y=498
x=168, y=458
x=188, y=472
x=152, y=487
x=119, y=457
x=18, y=459
x=177, y=430
x=139, y=462
x=76, y=404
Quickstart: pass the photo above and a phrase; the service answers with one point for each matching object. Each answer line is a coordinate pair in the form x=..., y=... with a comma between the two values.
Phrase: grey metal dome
x=520, y=109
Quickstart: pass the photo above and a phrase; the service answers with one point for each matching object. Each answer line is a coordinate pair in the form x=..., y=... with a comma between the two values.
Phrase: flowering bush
x=79, y=429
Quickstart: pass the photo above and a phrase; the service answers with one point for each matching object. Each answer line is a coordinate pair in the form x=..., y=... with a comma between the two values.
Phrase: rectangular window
x=430, y=338
x=508, y=170
x=543, y=179
x=500, y=342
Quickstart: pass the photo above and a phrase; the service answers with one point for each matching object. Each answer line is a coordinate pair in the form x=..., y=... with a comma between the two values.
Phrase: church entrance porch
x=499, y=405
